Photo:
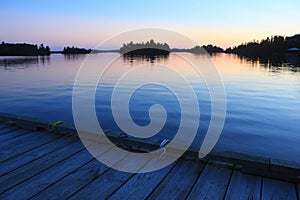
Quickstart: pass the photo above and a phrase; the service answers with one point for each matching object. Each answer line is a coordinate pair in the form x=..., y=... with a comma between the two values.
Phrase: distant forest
x=150, y=48
x=201, y=49
x=75, y=50
x=8, y=49
x=24, y=49
x=269, y=47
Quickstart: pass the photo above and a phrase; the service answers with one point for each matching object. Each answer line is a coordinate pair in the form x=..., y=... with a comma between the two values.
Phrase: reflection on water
x=263, y=107
x=293, y=58
x=74, y=57
x=21, y=62
x=145, y=59
x=290, y=62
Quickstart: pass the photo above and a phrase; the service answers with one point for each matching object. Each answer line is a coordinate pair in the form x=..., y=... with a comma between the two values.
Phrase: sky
x=226, y=23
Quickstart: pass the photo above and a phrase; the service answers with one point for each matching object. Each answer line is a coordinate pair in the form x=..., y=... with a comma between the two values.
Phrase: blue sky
x=87, y=23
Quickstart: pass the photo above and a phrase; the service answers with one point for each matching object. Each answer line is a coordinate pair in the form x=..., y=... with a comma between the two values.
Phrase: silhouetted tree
x=269, y=47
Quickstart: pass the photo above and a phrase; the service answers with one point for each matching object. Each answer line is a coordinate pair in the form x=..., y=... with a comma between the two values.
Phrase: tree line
x=9, y=49
x=269, y=47
x=24, y=49
x=201, y=49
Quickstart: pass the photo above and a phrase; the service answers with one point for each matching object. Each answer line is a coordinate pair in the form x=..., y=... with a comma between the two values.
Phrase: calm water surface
x=263, y=98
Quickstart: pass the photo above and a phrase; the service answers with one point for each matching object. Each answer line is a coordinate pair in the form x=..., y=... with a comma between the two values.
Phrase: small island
x=75, y=50
x=150, y=48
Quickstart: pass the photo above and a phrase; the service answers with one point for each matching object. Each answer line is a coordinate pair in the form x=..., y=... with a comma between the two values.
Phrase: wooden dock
x=36, y=164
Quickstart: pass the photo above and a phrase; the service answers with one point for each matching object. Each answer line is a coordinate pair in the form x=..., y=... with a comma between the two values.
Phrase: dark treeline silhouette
x=75, y=50
x=213, y=49
x=208, y=48
x=275, y=46
x=9, y=49
x=201, y=50
x=269, y=47
x=197, y=50
x=150, y=48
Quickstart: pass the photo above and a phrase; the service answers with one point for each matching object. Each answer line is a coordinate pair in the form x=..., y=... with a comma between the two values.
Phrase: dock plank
x=62, y=189
x=298, y=189
x=244, y=186
x=179, y=181
x=41, y=181
x=135, y=187
x=103, y=186
x=3, y=126
x=22, y=139
x=79, y=178
x=212, y=183
x=7, y=129
x=33, y=168
x=27, y=145
x=29, y=156
x=275, y=189
x=13, y=134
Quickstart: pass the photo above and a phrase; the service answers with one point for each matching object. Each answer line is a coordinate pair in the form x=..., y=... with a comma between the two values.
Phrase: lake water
x=262, y=98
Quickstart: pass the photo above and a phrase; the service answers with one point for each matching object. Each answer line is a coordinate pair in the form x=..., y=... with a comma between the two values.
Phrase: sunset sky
x=87, y=23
